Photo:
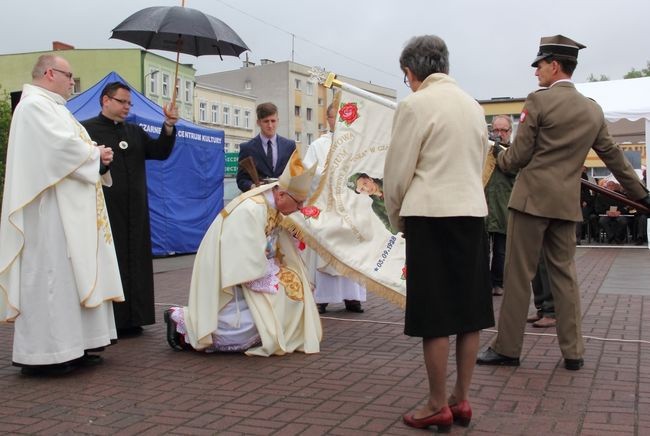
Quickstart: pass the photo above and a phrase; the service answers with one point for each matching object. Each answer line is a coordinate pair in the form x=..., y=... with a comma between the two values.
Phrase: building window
x=308, y=114
x=320, y=101
x=321, y=127
x=215, y=113
x=226, y=115
x=248, y=85
x=247, y=119
x=310, y=88
x=77, y=86
x=153, y=81
x=297, y=136
x=236, y=115
x=202, y=111
x=188, y=91
x=298, y=84
x=296, y=111
x=165, y=85
x=310, y=138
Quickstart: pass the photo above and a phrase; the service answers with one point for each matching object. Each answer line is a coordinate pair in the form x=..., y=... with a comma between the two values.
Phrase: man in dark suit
x=557, y=127
x=269, y=150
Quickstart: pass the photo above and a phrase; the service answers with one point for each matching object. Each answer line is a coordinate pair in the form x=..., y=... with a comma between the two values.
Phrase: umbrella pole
x=178, y=54
x=179, y=43
x=174, y=94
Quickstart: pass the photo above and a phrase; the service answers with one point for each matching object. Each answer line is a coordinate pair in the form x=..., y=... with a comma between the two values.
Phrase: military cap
x=557, y=46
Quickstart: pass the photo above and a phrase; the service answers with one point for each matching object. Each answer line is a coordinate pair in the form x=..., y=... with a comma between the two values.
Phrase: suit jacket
x=557, y=128
x=437, y=150
x=255, y=149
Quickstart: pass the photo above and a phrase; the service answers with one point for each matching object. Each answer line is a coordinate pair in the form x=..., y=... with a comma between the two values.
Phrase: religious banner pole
x=329, y=79
x=615, y=195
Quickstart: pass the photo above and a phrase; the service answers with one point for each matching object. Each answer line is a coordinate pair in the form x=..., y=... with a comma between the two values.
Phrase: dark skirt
x=448, y=288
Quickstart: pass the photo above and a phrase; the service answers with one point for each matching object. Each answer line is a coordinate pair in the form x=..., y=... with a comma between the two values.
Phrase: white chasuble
x=233, y=252
x=58, y=270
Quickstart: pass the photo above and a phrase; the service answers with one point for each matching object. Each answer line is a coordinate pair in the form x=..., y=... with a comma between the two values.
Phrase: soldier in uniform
x=557, y=127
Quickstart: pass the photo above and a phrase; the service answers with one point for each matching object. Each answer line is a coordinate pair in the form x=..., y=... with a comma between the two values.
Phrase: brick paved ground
x=367, y=374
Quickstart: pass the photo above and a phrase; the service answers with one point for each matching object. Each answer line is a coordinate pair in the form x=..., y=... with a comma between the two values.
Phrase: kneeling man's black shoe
x=573, y=364
x=491, y=357
x=173, y=338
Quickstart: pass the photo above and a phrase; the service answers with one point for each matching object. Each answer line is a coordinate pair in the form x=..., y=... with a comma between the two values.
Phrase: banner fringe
x=377, y=288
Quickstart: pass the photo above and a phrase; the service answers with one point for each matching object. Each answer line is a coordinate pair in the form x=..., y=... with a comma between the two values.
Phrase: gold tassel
x=488, y=168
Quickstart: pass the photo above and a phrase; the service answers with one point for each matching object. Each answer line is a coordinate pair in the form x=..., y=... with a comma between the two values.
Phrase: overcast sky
x=491, y=43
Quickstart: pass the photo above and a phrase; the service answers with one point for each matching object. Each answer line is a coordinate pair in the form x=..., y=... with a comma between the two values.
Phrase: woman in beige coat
x=434, y=194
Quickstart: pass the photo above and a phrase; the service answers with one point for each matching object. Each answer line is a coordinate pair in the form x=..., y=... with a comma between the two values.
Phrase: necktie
x=269, y=153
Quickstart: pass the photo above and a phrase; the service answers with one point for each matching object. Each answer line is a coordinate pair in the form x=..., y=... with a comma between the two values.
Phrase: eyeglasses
x=298, y=203
x=120, y=101
x=500, y=130
x=406, y=81
x=67, y=74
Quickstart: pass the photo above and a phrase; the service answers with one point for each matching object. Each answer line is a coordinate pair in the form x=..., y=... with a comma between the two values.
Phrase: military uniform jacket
x=557, y=128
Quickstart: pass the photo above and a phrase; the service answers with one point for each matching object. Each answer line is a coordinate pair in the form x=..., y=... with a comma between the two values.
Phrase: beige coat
x=557, y=128
x=435, y=161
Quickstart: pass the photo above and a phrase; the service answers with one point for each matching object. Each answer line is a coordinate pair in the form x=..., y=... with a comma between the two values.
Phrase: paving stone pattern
x=367, y=374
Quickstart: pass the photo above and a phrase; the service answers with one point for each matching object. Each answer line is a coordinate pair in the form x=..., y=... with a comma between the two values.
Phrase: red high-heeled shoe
x=442, y=419
x=462, y=412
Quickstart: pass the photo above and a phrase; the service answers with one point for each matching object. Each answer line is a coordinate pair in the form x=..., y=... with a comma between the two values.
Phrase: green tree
x=634, y=73
x=5, y=121
x=602, y=78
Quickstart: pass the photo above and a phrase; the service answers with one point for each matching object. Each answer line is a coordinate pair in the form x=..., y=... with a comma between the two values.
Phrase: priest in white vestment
x=249, y=290
x=330, y=285
x=58, y=269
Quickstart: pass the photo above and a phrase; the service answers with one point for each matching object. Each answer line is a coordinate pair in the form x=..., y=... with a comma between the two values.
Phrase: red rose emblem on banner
x=403, y=273
x=310, y=212
x=349, y=112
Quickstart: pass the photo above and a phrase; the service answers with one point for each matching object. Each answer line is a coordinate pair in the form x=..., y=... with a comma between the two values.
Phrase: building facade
x=302, y=104
x=230, y=111
x=148, y=73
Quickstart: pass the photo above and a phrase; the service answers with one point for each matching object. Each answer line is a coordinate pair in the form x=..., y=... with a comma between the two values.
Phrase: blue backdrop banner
x=186, y=190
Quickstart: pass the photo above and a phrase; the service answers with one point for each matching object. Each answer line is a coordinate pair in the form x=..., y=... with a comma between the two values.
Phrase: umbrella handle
x=179, y=43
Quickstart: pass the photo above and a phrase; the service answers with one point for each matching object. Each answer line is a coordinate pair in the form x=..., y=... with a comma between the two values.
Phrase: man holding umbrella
x=126, y=200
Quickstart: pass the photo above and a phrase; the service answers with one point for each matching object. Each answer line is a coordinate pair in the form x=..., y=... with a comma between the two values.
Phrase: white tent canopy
x=627, y=99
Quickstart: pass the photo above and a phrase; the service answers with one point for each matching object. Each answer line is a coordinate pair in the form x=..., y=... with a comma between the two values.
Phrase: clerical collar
x=108, y=120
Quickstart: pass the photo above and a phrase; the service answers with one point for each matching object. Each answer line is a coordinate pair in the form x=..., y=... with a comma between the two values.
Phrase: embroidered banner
x=348, y=225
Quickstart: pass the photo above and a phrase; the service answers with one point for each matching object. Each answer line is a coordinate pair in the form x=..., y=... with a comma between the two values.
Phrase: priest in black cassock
x=126, y=199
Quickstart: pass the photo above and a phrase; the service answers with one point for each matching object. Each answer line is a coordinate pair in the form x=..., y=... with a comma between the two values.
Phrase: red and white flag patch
x=523, y=115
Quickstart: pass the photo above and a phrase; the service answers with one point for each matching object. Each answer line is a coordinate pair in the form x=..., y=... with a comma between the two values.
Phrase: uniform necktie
x=269, y=153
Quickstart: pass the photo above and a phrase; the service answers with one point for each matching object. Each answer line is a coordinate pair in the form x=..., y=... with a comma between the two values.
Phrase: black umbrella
x=181, y=30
